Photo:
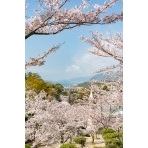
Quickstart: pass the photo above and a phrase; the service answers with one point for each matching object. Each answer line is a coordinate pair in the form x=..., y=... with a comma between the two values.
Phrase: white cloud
x=87, y=63
x=73, y=68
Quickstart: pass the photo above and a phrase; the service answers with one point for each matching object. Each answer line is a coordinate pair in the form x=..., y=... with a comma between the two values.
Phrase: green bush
x=113, y=143
x=105, y=88
x=107, y=130
x=113, y=135
x=27, y=146
x=109, y=136
x=112, y=139
x=80, y=140
x=68, y=146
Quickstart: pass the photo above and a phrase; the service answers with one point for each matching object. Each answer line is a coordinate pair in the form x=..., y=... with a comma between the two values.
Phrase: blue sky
x=72, y=59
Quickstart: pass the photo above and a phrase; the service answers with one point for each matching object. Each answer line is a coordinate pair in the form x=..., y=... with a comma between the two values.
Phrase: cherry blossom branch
x=40, y=60
x=106, y=46
x=108, y=68
x=53, y=18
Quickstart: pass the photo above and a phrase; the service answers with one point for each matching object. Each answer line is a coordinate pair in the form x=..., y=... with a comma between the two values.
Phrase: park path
x=97, y=142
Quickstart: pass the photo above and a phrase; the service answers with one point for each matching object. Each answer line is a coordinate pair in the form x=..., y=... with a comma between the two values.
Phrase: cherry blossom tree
x=108, y=103
x=56, y=122
x=53, y=16
x=103, y=108
x=106, y=108
x=106, y=46
x=52, y=122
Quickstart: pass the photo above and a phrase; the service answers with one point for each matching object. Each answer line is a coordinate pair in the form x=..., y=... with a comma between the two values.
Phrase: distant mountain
x=95, y=77
x=99, y=77
x=104, y=77
x=84, y=84
x=80, y=80
x=73, y=81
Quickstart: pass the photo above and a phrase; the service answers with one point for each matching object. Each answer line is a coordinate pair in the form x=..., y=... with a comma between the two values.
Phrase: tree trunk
x=62, y=138
x=93, y=137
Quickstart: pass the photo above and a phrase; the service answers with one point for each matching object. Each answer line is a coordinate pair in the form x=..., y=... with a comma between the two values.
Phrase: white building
x=72, y=88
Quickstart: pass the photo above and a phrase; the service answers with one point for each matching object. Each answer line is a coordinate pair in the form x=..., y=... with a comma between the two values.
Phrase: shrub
x=107, y=130
x=80, y=140
x=68, y=145
x=27, y=146
x=113, y=143
x=112, y=139
x=105, y=88
x=109, y=136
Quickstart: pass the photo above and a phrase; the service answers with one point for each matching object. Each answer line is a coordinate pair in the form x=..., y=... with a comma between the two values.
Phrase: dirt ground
x=97, y=142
